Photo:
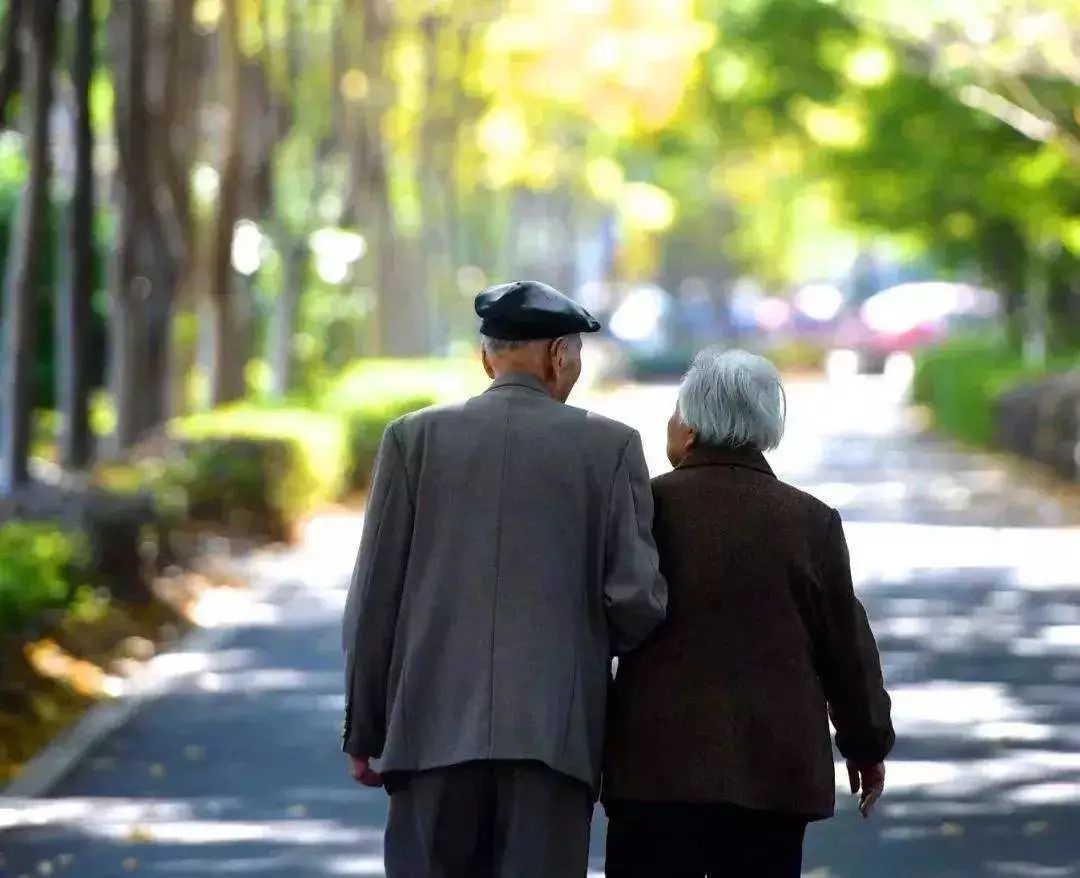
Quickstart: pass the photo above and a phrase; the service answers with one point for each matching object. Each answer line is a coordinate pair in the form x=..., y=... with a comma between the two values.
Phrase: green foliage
x=797, y=355
x=39, y=566
x=961, y=381
x=258, y=470
x=372, y=393
x=12, y=171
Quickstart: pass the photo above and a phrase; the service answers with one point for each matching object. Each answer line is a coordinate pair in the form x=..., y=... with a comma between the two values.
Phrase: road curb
x=156, y=678
x=52, y=764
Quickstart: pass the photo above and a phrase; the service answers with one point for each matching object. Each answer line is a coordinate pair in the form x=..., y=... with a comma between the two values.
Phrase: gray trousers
x=488, y=820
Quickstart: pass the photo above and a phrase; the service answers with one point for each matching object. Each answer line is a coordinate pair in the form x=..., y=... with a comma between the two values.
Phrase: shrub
x=372, y=393
x=40, y=564
x=797, y=355
x=257, y=470
x=441, y=380
x=961, y=381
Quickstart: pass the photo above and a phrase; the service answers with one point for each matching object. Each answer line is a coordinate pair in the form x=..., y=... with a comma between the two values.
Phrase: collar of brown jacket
x=519, y=379
x=719, y=455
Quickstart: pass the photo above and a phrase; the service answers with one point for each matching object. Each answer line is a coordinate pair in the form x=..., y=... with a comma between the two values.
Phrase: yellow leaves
x=502, y=131
x=53, y=662
x=140, y=834
x=194, y=753
x=354, y=85
x=623, y=65
x=834, y=125
x=870, y=66
x=604, y=177
x=540, y=168
x=207, y=14
x=645, y=207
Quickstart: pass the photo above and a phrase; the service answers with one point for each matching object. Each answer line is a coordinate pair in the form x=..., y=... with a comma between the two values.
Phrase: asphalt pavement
x=971, y=575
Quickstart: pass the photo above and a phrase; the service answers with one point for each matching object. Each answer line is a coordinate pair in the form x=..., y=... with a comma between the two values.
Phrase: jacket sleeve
x=635, y=594
x=854, y=686
x=371, y=610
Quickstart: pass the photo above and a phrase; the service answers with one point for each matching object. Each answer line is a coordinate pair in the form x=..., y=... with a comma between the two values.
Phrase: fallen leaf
x=951, y=830
x=298, y=811
x=194, y=753
x=44, y=868
x=140, y=835
x=157, y=770
x=130, y=864
x=1036, y=827
x=64, y=860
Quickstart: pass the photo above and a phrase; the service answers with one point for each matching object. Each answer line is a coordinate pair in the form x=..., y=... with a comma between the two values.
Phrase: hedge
x=256, y=470
x=962, y=380
x=371, y=393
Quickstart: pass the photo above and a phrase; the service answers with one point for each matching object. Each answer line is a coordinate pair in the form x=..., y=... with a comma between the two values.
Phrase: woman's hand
x=868, y=782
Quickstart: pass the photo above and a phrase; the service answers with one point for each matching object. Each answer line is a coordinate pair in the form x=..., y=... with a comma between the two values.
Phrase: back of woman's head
x=733, y=398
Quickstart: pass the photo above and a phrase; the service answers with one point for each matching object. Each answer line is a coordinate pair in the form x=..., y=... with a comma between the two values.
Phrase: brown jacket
x=728, y=701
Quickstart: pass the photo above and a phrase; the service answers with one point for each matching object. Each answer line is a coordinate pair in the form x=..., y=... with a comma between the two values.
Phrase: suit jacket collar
x=718, y=455
x=519, y=379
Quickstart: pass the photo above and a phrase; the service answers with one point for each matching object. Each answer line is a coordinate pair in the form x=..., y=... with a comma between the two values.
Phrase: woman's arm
x=851, y=667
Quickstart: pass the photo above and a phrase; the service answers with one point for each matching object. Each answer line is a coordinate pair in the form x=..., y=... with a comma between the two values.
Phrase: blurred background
x=239, y=236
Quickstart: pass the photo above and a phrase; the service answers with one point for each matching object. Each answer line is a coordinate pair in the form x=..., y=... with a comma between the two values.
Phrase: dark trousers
x=662, y=840
x=488, y=820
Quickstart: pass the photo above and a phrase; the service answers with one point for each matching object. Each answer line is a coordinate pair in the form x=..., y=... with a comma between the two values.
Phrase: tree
x=11, y=71
x=74, y=320
x=21, y=291
x=227, y=369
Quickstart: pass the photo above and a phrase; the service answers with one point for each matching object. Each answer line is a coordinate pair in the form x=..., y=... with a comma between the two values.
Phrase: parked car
x=901, y=319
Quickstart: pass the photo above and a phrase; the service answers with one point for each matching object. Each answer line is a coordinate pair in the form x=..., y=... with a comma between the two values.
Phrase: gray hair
x=733, y=398
x=502, y=345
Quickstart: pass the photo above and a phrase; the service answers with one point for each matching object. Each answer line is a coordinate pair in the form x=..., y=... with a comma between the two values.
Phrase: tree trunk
x=400, y=323
x=22, y=286
x=145, y=268
x=11, y=72
x=74, y=312
x=227, y=371
x=286, y=307
x=178, y=128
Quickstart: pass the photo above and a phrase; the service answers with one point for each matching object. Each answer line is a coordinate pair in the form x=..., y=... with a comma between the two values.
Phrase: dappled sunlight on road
x=971, y=580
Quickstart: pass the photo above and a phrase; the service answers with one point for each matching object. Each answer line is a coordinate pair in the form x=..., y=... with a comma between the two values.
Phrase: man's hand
x=363, y=773
x=868, y=782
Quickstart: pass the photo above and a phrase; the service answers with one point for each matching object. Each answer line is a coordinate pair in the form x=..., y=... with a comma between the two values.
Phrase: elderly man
x=506, y=556
x=718, y=752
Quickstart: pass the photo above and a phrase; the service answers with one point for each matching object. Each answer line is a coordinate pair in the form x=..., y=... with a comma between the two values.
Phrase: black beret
x=527, y=309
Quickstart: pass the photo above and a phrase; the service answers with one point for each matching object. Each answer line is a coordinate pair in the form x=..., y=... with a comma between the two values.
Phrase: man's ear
x=691, y=440
x=557, y=351
x=487, y=363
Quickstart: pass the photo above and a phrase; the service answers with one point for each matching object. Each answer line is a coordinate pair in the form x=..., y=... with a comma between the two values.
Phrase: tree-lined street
x=969, y=573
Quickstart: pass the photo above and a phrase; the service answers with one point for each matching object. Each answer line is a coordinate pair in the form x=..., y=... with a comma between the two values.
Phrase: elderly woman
x=718, y=750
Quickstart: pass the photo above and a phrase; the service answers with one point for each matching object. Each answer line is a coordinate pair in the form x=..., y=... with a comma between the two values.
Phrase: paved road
x=972, y=579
